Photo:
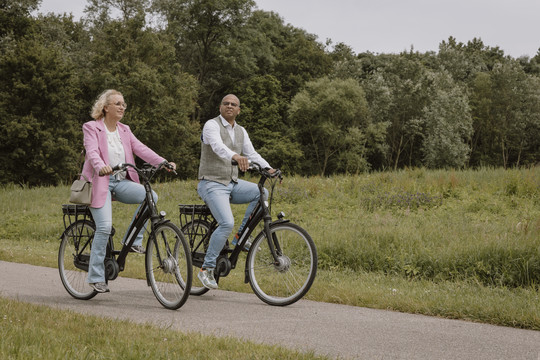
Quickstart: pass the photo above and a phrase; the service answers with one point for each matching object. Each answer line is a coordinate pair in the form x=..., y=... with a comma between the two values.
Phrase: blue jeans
x=127, y=192
x=218, y=197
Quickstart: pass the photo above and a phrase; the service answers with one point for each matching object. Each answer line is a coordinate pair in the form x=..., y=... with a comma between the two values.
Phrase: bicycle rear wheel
x=73, y=258
x=287, y=281
x=195, y=231
x=168, y=266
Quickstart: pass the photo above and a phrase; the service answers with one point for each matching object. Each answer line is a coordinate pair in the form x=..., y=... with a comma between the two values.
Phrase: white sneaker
x=100, y=287
x=207, y=278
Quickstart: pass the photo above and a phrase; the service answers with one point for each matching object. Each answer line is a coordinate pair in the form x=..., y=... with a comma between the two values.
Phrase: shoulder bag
x=81, y=190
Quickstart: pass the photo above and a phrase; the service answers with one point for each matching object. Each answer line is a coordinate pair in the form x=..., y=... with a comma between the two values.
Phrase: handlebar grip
x=234, y=162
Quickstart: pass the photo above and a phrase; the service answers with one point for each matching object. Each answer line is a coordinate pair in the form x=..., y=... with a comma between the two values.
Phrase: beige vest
x=215, y=168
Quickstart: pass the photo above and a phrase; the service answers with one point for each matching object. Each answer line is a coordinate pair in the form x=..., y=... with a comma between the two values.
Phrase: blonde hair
x=98, y=110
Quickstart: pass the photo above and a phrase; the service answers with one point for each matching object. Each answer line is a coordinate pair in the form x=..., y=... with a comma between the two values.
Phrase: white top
x=116, y=151
x=211, y=136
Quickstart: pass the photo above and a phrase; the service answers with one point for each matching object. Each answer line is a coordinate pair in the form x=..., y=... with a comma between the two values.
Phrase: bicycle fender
x=161, y=221
x=280, y=221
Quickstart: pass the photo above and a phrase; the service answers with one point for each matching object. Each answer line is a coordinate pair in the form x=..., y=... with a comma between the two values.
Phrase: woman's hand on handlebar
x=106, y=170
x=170, y=167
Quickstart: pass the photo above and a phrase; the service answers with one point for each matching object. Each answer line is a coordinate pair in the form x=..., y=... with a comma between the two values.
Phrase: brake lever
x=169, y=167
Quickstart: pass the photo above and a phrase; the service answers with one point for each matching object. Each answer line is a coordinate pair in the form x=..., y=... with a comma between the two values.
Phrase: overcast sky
x=391, y=26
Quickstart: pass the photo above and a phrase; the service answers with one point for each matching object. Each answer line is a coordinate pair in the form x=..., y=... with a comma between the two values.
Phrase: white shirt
x=116, y=151
x=211, y=136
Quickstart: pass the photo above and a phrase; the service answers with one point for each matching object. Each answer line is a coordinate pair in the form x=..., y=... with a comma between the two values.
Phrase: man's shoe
x=207, y=278
x=100, y=287
x=137, y=249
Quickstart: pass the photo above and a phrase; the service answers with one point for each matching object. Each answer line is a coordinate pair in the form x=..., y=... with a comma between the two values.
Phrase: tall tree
x=462, y=61
x=128, y=55
x=448, y=125
x=300, y=59
x=207, y=36
x=326, y=114
x=15, y=19
x=261, y=115
x=397, y=92
x=38, y=92
x=514, y=108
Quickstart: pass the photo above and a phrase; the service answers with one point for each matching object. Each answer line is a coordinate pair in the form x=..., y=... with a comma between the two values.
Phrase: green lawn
x=455, y=244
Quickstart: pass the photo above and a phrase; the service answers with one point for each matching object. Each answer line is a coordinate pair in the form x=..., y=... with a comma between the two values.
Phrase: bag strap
x=83, y=154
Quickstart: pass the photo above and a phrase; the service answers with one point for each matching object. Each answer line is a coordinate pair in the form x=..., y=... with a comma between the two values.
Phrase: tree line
x=311, y=108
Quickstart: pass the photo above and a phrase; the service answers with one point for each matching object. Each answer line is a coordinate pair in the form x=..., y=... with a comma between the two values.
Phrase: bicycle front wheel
x=168, y=266
x=288, y=279
x=74, y=257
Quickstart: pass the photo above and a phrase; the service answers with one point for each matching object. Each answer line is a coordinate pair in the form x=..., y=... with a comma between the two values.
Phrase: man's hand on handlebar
x=269, y=172
x=242, y=161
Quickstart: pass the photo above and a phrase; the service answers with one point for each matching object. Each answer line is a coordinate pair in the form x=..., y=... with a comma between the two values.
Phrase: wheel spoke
x=286, y=281
x=169, y=275
x=73, y=278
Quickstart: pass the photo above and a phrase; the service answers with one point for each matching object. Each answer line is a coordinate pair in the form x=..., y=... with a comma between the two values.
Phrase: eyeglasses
x=227, y=103
x=119, y=103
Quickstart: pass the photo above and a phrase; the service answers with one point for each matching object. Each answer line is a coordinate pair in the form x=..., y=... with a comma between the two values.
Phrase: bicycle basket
x=194, y=222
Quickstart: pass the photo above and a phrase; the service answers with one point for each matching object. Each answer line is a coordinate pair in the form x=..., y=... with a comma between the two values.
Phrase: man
x=223, y=140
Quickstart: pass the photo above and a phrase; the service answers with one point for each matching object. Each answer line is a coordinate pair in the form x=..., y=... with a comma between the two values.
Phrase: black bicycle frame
x=145, y=212
x=261, y=212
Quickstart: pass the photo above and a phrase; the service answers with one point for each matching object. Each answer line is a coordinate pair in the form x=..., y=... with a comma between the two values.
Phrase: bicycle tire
x=288, y=282
x=168, y=265
x=194, y=231
x=76, y=242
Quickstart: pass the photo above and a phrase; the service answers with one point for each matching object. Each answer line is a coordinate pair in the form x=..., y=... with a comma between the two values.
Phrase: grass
x=455, y=244
x=38, y=332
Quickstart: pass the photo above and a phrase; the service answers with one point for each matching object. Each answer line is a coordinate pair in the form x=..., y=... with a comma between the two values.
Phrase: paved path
x=335, y=330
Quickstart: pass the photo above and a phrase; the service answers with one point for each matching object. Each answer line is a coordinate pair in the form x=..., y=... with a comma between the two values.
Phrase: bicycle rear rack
x=73, y=213
x=191, y=217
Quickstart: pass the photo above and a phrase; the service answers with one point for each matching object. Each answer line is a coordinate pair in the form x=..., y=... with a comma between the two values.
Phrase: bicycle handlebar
x=259, y=169
x=151, y=169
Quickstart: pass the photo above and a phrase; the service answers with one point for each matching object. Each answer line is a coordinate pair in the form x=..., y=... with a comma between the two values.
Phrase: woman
x=108, y=142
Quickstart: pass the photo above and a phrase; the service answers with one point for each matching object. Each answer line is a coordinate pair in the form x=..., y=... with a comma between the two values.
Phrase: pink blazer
x=97, y=156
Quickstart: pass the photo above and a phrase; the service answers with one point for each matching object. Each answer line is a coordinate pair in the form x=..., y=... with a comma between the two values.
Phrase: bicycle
x=281, y=263
x=167, y=259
